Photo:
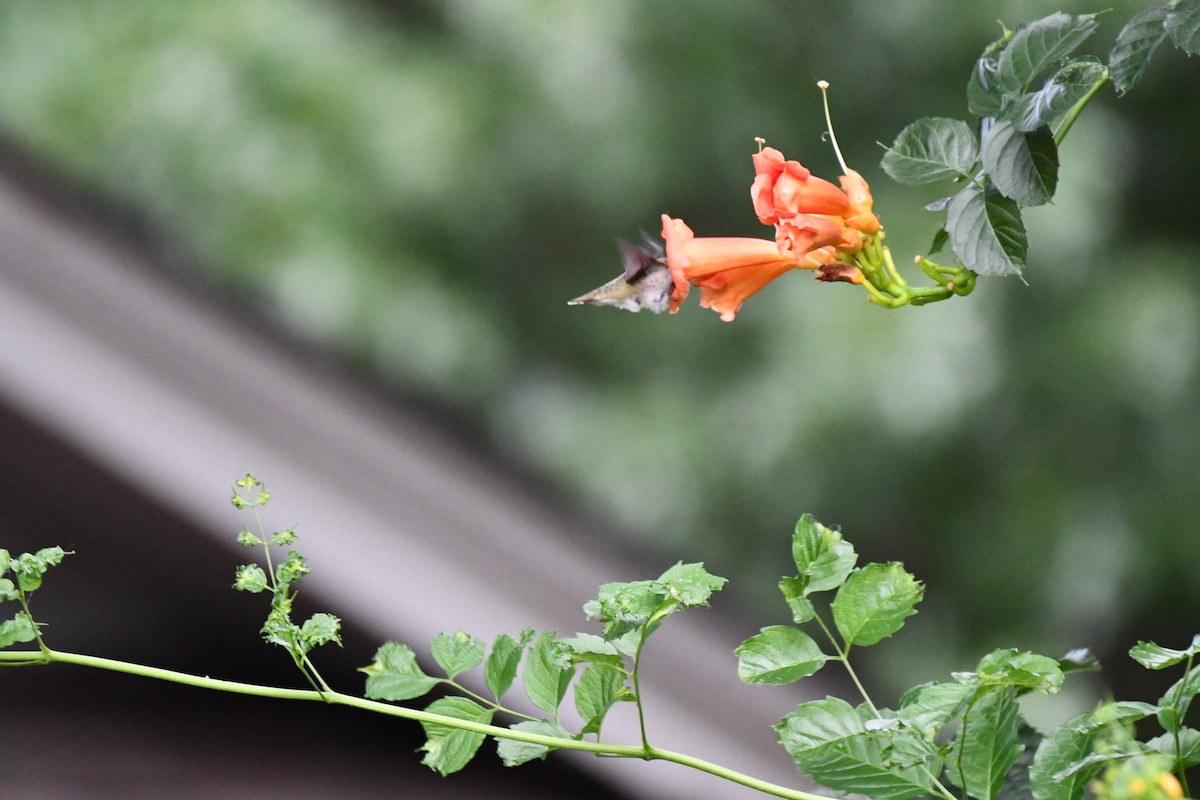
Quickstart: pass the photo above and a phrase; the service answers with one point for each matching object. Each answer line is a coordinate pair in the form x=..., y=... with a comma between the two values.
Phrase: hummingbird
x=645, y=283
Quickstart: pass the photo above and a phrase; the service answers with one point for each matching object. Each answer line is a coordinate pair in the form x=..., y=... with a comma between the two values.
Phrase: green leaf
x=15, y=630
x=829, y=741
x=8, y=590
x=1153, y=656
x=985, y=96
x=5, y=560
x=823, y=558
x=1023, y=166
x=1062, y=90
x=247, y=539
x=1188, y=752
x=1183, y=25
x=1058, y=752
x=940, y=239
x=1135, y=46
x=456, y=653
x=1039, y=45
x=1173, y=705
x=548, y=673
x=284, y=537
x=874, y=602
x=690, y=584
x=501, y=668
x=930, y=149
x=588, y=647
x=319, y=629
x=1116, y=713
x=794, y=590
x=625, y=607
x=1011, y=667
x=250, y=578
x=29, y=568
x=599, y=687
x=986, y=746
x=449, y=749
x=394, y=674
x=779, y=654
x=514, y=753
x=986, y=232
x=929, y=707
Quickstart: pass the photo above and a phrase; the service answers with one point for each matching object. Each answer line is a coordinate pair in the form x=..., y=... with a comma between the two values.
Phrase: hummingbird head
x=645, y=283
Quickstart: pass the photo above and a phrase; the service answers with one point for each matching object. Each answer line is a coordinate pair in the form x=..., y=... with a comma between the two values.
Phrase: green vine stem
x=32, y=657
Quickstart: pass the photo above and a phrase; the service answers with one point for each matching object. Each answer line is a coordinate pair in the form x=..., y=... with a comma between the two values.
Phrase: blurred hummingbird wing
x=637, y=259
x=653, y=245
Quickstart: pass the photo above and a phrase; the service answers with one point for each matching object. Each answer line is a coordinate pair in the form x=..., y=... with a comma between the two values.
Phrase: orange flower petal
x=782, y=188
x=860, y=216
x=724, y=292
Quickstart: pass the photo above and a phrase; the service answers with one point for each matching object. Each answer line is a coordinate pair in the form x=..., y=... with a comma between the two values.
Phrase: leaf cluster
x=1023, y=96
x=299, y=639
x=968, y=732
x=26, y=572
x=601, y=669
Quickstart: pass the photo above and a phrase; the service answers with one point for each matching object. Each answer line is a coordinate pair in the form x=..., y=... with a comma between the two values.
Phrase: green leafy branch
x=964, y=737
x=1024, y=95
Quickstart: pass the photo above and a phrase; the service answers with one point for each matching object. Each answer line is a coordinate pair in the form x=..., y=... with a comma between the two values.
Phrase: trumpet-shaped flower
x=730, y=269
x=782, y=189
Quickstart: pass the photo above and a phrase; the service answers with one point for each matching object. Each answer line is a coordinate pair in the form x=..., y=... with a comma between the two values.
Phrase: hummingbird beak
x=614, y=293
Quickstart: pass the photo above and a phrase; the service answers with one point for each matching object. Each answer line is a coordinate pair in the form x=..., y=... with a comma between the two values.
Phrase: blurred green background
x=418, y=187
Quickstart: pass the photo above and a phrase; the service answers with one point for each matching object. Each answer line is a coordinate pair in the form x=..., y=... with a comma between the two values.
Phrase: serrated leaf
x=456, y=652
x=1112, y=752
x=1188, y=751
x=449, y=749
x=1136, y=45
x=588, y=647
x=874, y=602
x=823, y=558
x=829, y=741
x=1023, y=166
x=690, y=584
x=8, y=590
x=598, y=689
x=1154, y=656
x=548, y=672
x=394, y=674
x=1116, y=713
x=779, y=654
x=1039, y=45
x=16, y=630
x=501, y=668
x=985, y=96
x=514, y=753
x=986, y=232
x=250, y=578
x=1057, y=752
x=319, y=629
x=929, y=707
x=1011, y=667
x=1183, y=26
x=1061, y=92
x=1173, y=705
x=626, y=607
x=986, y=746
x=930, y=149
